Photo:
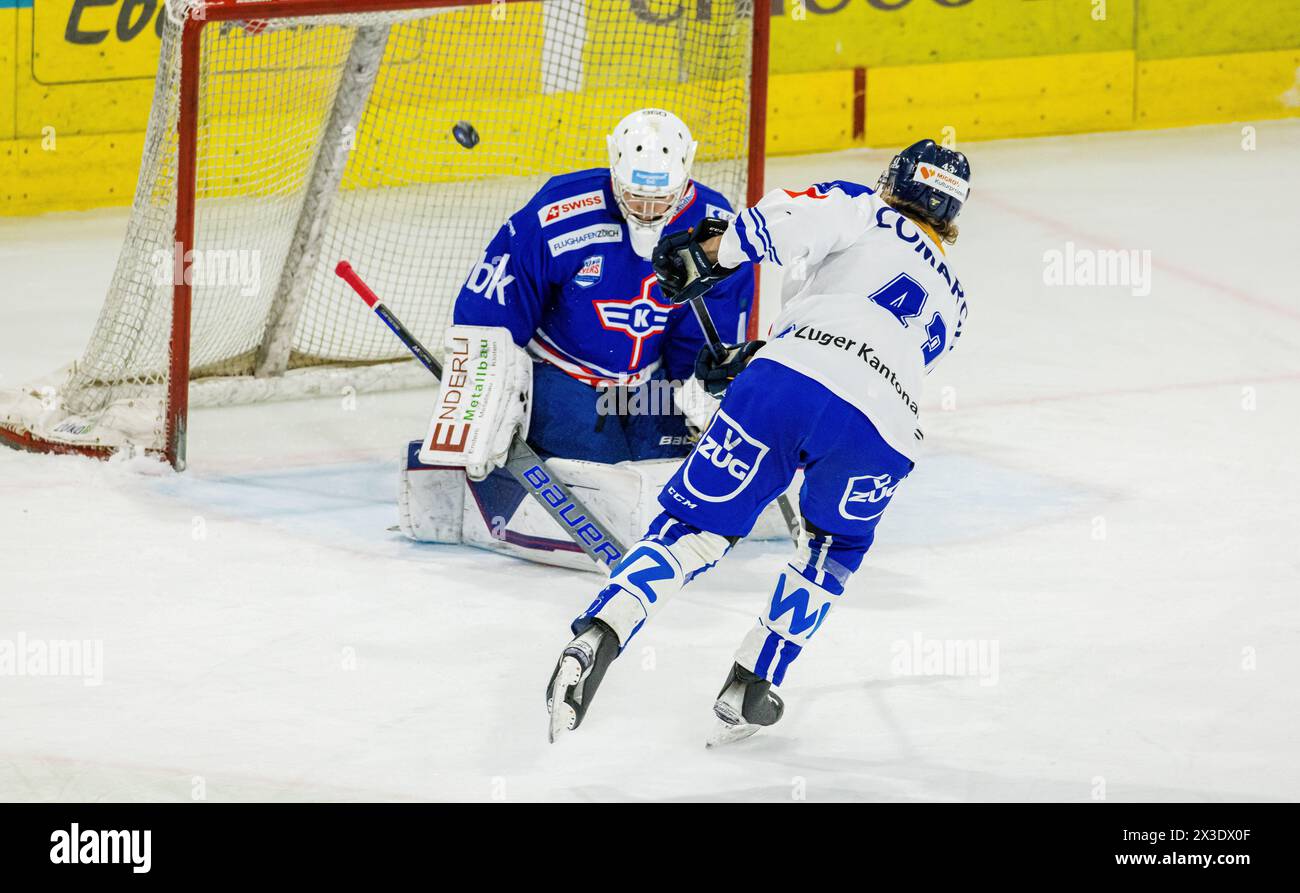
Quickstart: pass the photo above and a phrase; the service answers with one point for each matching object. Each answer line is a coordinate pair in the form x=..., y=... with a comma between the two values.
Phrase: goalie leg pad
x=499, y=515
x=430, y=499
x=438, y=504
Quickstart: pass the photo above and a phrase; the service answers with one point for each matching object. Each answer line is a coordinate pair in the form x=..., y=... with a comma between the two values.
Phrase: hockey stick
x=522, y=462
x=713, y=341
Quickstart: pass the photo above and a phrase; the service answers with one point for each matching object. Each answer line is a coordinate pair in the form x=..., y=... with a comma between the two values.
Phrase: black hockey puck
x=465, y=134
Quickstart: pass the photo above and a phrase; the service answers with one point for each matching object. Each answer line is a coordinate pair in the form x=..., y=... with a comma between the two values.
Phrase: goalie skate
x=745, y=705
x=577, y=675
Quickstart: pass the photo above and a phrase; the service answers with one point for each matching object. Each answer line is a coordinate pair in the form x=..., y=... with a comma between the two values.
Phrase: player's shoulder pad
x=848, y=187
x=821, y=190
x=564, y=199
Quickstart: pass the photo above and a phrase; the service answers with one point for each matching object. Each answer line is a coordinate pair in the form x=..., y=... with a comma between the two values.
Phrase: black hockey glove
x=716, y=373
x=684, y=270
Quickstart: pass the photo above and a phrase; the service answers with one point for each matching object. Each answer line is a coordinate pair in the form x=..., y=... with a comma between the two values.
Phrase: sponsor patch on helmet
x=656, y=179
x=942, y=180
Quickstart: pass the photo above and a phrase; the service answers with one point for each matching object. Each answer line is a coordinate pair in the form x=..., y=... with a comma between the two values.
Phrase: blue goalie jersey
x=561, y=275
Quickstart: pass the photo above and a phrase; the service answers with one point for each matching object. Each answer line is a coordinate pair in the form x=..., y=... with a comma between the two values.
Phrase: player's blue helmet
x=931, y=182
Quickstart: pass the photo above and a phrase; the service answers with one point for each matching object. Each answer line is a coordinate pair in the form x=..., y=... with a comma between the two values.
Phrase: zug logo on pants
x=866, y=496
x=724, y=461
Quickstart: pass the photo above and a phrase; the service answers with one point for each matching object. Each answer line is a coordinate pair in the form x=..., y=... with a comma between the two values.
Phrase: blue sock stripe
x=675, y=532
x=816, y=546
x=670, y=530
x=666, y=530
x=840, y=561
x=695, y=573
x=788, y=653
x=630, y=636
x=764, y=662
x=583, y=620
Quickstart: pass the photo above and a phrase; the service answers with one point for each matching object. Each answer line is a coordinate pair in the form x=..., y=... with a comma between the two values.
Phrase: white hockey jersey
x=869, y=303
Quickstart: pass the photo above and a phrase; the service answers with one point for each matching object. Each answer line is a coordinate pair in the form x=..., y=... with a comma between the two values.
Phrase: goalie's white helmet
x=650, y=156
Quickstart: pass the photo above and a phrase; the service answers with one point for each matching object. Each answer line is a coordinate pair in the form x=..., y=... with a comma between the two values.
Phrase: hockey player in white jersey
x=870, y=305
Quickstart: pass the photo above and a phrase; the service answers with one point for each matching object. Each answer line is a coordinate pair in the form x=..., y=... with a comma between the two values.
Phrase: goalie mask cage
x=288, y=134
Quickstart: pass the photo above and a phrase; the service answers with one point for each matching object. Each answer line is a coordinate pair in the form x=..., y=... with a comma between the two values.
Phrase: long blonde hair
x=946, y=231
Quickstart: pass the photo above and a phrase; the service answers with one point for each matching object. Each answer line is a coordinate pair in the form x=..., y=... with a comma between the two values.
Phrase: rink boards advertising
x=76, y=76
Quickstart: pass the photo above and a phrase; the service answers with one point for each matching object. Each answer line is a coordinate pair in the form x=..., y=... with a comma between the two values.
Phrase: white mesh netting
x=331, y=136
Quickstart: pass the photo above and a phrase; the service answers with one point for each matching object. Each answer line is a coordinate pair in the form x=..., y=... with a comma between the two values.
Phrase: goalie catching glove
x=683, y=267
x=484, y=398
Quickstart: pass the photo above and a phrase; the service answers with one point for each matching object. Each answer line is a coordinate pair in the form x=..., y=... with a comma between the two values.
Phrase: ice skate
x=745, y=705
x=577, y=675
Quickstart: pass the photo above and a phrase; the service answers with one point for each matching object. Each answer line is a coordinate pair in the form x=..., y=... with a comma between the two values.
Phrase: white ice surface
x=1101, y=503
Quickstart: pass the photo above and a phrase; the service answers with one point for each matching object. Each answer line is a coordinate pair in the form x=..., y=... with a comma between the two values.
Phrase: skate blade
x=729, y=726
x=726, y=733
x=563, y=717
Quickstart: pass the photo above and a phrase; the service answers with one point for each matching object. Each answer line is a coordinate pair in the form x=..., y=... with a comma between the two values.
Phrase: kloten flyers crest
x=641, y=318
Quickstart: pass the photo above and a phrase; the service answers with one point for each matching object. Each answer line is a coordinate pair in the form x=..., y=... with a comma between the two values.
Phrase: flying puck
x=465, y=134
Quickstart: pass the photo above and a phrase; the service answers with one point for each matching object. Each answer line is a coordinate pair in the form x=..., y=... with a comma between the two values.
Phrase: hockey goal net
x=288, y=134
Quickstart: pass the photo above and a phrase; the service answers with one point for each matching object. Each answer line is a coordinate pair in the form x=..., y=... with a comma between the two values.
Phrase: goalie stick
x=522, y=462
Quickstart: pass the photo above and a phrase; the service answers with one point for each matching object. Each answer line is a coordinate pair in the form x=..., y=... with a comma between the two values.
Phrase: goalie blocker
x=484, y=397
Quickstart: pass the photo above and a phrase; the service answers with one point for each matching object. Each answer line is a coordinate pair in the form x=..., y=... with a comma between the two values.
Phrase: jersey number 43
x=904, y=297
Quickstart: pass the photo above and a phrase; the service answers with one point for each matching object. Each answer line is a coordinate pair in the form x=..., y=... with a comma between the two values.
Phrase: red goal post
x=294, y=132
